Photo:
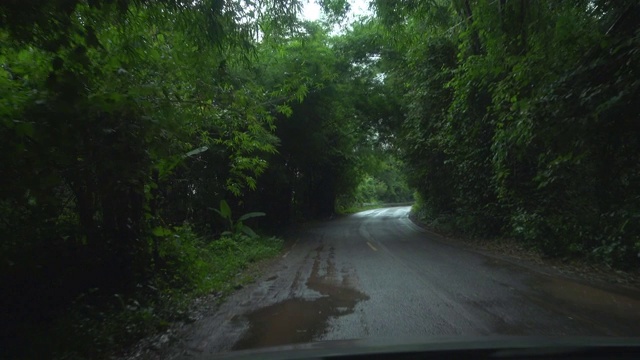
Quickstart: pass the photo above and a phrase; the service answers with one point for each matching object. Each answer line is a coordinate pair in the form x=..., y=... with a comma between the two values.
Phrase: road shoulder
x=163, y=345
x=578, y=270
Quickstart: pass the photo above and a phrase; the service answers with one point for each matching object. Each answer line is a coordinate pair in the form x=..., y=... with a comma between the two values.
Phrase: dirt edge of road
x=575, y=269
x=156, y=346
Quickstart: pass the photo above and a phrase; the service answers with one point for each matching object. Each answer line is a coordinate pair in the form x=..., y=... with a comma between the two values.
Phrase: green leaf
x=220, y=213
x=225, y=210
x=251, y=215
x=166, y=165
x=285, y=110
x=24, y=129
x=161, y=231
x=196, y=151
x=247, y=230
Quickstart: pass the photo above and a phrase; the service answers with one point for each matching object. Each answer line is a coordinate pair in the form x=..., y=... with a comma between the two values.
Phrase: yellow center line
x=371, y=246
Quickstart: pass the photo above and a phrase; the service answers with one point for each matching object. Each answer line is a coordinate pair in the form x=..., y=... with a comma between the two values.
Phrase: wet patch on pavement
x=589, y=296
x=301, y=320
x=591, y=305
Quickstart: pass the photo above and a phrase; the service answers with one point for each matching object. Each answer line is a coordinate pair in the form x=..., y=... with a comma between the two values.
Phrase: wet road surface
x=375, y=274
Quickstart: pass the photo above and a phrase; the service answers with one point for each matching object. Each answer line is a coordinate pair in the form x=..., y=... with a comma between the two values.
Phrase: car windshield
x=184, y=178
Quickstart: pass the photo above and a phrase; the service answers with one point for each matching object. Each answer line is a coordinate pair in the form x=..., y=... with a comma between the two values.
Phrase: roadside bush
x=182, y=261
x=620, y=243
x=97, y=324
x=226, y=256
x=526, y=129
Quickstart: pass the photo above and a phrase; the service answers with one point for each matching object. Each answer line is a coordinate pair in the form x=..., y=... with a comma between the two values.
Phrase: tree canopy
x=520, y=119
x=125, y=123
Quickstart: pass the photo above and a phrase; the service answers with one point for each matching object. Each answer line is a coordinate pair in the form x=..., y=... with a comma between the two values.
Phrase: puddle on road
x=298, y=320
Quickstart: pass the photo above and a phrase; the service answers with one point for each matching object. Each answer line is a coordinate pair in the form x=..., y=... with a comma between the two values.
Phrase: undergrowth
x=98, y=326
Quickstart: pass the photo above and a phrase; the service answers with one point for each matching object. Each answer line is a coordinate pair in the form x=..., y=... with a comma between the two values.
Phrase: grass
x=192, y=268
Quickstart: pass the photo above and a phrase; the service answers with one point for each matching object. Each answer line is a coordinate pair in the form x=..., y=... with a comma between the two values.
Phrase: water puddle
x=299, y=320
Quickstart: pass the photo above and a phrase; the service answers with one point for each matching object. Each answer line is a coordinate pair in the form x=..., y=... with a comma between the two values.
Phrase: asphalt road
x=376, y=275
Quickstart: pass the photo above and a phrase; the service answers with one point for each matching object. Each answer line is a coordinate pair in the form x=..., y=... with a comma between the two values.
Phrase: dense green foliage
x=125, y=123
x=135, y=134
x=194, y=267
x=521, y=119
x=110, y=113
x=328, y=143
x=384, y=182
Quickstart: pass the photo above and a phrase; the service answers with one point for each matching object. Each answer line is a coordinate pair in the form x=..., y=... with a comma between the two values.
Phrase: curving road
x=377, y=275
